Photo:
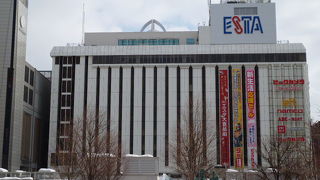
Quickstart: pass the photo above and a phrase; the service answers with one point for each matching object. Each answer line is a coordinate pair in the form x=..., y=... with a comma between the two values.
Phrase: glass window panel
x=191, y=41
x=26, y=74
x=31, y=77
x=30, y=96
x=25, y=94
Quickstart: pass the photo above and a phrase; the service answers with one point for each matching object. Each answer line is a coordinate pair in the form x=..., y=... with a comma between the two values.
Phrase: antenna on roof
x=83, y=22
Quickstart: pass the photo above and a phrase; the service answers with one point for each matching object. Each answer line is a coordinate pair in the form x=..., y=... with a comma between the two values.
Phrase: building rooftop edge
x=177, y=49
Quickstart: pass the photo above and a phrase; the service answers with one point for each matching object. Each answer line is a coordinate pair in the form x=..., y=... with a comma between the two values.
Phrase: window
x=65, y=60
x=30, y=96
x=136, y=42
x=65, y=100
x=57, y=60
x=65, y=129
x=190, y=41
x=31, y=77
x=63, y=144
x=200, y=58
x=25, y=94
x=66, y=86
x=69, y=72
x=77, y=60
x=26, y=74
x=64, y=72
x=69, y=60
x=246, y=11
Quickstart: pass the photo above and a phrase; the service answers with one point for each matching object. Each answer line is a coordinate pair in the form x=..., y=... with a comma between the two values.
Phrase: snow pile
x=137, y=156
x=100, y=155
x=271, y=170
x=251, y=171
x=45, y=170
x=164, y=177
x=3, y=170
x=20, y=171
x=232, y=171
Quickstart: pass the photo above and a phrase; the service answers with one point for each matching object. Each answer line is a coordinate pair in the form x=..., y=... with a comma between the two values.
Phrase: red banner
x=224, y=118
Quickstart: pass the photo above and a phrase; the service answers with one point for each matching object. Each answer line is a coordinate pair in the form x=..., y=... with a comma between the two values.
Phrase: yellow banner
x=238, y=143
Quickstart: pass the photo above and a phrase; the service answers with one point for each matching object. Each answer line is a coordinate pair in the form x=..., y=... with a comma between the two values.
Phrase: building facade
x=35, y=122
x=250, y=86
x=24, y=94
x=12, y=57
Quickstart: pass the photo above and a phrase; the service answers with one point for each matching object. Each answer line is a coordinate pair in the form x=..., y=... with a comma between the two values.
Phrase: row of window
x=200, y=58
x=137, y=42
x=68, y=60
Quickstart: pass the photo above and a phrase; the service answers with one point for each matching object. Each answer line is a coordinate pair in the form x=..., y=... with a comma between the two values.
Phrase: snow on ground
x=134, y=155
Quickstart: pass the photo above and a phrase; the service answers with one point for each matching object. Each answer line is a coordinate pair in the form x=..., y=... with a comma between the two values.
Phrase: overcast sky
x=52, y=23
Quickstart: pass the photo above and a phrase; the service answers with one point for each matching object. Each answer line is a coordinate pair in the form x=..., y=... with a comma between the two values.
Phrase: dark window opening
x=143, y=110
x=131, y=110
x=200, y=58
x=26, y=74
x=167, y=117
x=30, y=97
x=31, y=77
x=155, y=133
x=25, y=94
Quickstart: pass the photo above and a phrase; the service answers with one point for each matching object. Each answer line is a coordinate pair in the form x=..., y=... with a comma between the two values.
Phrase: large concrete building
x=249, y=85
x=24, y=94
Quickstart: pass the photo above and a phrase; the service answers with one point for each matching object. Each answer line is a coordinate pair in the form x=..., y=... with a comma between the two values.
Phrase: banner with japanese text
x=224, y=118
x=251, y=118
x=237, y=106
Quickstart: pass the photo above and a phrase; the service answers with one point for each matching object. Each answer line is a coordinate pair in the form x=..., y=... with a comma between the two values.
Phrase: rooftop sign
x=243, y=23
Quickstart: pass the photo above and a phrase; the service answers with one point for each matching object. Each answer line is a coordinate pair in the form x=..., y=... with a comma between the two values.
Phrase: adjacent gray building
x=24, y=94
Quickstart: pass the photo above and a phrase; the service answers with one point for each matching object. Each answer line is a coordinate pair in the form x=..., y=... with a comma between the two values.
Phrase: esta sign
x=242, y=25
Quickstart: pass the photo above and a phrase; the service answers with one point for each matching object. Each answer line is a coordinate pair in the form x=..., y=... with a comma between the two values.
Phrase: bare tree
x=193, y=151
x=308, y=169
x=66, y=162
x=93, y=150
x=315, y=135
x=283, y=159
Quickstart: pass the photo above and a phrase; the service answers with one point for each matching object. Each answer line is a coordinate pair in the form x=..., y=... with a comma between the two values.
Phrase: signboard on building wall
x=224, y=117
x=251, y=118
x=290, y=110
x=243, y=23
x=237, y=104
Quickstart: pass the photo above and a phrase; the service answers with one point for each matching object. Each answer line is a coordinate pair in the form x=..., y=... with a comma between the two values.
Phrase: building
x=252, y=87
x=24, y=94
x=35, y=122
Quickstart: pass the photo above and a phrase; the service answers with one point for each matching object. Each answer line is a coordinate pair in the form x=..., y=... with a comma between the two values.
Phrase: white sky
x=58, y=22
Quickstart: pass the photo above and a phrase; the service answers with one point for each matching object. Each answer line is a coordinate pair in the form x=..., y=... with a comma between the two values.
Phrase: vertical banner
x=237, y=104
x=251, y=118
x=224, y=118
